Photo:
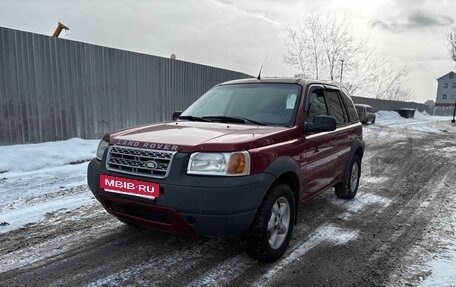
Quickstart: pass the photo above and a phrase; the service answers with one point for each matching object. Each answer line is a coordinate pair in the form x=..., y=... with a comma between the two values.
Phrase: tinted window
x=336, y=107
x=359, y=109
x=352, y=114
x=316, y=106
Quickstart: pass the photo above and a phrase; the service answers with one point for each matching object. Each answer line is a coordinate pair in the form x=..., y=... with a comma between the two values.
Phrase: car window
x=369, y=109
x=359, y=109
x=352, y=114
x=317, y=105
x=336, y=107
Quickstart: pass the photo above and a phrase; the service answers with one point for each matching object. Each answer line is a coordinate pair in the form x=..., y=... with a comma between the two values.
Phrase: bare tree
x=304, y=47
x=451, y=37
x=319, y=45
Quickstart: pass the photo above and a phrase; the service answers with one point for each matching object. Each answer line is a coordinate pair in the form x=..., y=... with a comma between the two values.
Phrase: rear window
x=352, y=114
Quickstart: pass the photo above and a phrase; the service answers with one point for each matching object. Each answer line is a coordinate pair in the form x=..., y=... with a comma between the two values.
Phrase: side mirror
x=321, y=124
x=176, y=115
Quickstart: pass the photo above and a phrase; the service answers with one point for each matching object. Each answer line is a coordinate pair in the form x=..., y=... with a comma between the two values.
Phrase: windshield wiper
x=233, y=119
x=193, y=118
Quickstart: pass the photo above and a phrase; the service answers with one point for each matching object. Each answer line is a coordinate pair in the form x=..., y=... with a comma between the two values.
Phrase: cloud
x=414, y=20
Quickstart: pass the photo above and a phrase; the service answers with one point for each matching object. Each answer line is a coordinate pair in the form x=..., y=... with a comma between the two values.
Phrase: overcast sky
x=239, y=35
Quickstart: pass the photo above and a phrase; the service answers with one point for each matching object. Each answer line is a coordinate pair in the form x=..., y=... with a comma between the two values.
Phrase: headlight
x=227, y=164
x=101, y=148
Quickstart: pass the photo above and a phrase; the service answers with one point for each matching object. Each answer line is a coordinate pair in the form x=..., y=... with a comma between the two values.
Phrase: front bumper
x=206, y=205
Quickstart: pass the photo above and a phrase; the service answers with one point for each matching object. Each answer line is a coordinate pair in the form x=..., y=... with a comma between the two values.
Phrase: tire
x=349, y=187
x=269, y=235
x=373, y=121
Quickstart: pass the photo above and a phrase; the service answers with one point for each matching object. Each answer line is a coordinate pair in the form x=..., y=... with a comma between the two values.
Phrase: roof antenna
x=259, y=74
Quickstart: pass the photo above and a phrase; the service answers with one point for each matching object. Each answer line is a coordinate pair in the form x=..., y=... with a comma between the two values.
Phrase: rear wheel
x=270, y=233
x=349, y=187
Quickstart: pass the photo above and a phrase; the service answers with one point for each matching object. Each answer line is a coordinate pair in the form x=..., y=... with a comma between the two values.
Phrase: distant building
x=446, y=90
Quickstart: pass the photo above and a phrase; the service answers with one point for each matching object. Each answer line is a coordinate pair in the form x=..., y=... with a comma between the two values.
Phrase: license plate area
x=122, y=185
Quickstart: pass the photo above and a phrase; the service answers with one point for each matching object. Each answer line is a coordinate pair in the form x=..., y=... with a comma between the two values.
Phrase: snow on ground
x=36, y=179
x=327, y=233
x=433, y=258
x=40, y=179
x=31, y=157
x=360, y=202
x=390, y=126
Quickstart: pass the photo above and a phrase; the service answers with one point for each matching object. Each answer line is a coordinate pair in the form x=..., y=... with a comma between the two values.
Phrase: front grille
x=133, y=161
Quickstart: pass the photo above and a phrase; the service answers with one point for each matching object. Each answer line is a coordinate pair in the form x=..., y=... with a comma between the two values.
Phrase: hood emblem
x=151, y=164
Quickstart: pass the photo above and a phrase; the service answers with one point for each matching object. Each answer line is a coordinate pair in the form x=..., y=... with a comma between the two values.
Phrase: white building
x=446, y=90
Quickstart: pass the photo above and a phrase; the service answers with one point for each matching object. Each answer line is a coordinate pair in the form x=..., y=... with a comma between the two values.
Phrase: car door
x=342, y=136
x=319, y=153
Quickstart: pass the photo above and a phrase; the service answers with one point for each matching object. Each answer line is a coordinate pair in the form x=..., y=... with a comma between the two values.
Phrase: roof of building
x=451, y=72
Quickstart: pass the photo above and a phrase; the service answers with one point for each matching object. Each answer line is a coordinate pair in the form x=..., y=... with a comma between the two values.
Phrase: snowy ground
x=37, y=179
x=45, y=201
x=438, y=265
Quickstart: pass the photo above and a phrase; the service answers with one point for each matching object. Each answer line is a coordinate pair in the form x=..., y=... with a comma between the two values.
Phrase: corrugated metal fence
x=53, y=89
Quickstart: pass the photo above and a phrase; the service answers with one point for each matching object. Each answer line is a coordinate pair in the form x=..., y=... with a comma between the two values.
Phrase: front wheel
x=270, y=233
x=348, y=188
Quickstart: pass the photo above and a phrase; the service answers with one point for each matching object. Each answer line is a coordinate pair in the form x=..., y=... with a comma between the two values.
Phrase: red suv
x=239, y=160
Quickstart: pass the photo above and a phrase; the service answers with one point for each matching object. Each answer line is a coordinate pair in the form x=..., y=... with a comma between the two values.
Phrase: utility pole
x=454, y=111
x=341, y=69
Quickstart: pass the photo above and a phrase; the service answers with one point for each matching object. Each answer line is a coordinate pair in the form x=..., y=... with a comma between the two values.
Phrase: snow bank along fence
x=54, y=89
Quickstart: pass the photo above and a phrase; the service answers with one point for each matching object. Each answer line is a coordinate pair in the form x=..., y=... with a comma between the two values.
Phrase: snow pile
x=384, y=116
x=37, y=179
x=28, y=157
x=422, y=116
x=390, y=126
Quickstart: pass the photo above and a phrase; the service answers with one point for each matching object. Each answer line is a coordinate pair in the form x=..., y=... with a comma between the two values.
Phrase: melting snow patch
x=223, y=274
x=372, y=179
x=362, y=201
x=326, y=233
x=443, y=272
x=19, y=217
x=450, y=150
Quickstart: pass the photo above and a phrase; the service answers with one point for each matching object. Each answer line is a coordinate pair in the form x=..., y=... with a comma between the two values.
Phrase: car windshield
x=263, y=104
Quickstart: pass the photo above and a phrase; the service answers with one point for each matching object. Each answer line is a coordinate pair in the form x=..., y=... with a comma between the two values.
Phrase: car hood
x=198, y=136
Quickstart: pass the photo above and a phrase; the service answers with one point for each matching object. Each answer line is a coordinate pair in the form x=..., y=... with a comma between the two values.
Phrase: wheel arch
x=287, y=171
x=357, y=148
